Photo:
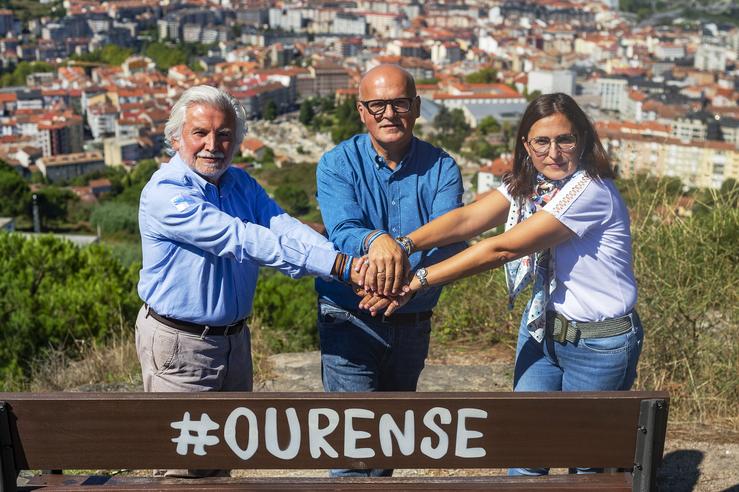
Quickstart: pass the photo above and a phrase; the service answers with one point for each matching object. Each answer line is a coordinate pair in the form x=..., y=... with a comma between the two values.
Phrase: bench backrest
x=318, y=430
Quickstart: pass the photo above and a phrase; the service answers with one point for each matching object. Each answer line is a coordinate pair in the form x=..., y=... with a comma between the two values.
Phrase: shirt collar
x=378, y=161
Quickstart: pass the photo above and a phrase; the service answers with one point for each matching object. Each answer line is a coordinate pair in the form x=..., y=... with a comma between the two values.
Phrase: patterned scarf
x=537, y=267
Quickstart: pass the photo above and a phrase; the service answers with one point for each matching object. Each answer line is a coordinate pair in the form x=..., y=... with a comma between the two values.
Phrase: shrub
x=293, y=199
x=287, y=311
x=53, y=295
x=15, y=192
x=687, y=275
x=116, y=217
x=476, y=309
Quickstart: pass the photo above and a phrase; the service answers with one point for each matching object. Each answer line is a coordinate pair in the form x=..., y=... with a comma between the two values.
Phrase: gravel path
x=696, y=459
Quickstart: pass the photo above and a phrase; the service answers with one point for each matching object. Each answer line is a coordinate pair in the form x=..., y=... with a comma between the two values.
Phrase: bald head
x=388, y=106
x=383, y=78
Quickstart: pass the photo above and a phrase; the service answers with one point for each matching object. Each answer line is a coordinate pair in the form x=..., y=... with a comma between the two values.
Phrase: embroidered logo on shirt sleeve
x=182, y=202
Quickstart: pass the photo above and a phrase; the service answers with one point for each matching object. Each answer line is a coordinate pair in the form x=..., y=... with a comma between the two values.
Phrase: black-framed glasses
x=541, y=145
x=377, y=107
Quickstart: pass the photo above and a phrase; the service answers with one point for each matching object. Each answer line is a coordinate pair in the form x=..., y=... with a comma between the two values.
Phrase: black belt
x=394, y=319
x=196, y=329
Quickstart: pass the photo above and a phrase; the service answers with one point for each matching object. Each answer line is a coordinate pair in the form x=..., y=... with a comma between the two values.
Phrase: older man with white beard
x=206, y=228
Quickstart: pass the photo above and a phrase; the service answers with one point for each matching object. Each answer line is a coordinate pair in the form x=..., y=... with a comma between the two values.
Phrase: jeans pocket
x=612, y=345
x=163, y=350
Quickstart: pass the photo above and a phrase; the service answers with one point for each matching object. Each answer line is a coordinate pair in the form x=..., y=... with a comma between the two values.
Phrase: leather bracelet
x=407, y=244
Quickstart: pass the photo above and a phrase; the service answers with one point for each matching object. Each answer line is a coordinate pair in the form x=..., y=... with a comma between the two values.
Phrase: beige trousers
x=174, y=360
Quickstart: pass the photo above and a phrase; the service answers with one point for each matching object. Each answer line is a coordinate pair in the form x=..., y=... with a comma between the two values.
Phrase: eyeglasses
x=564, y=143
x=377, y=107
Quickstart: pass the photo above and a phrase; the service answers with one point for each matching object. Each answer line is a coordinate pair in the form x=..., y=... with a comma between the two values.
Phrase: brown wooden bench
x=114, y=431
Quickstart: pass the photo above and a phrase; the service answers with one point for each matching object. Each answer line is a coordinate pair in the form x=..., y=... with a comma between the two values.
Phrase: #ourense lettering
x=243, y=423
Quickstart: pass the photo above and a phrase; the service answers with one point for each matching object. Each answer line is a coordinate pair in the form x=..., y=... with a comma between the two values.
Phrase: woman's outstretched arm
x=537, y=233
x=462, y=223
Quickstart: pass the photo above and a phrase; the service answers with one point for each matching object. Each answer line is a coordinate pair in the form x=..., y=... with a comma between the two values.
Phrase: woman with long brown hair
x=566, y=234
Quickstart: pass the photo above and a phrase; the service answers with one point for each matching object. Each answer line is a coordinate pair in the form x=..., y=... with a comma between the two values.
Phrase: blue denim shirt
x=358, y=192
x=203, y=244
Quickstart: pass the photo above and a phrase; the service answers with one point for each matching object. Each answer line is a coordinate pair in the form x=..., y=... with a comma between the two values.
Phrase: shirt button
x=393, y=202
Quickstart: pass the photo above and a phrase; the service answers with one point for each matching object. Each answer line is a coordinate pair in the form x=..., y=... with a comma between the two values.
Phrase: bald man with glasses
x=373, y=189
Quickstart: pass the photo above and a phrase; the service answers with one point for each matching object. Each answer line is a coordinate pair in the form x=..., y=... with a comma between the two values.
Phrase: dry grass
x=101, y=366
x=114, y=365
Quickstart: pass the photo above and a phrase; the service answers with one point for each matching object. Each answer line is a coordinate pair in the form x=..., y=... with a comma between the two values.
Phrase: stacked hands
x=382, y=277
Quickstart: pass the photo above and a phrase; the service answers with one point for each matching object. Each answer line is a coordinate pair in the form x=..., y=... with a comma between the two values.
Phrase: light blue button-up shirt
x=203, y=244
x=358, y=193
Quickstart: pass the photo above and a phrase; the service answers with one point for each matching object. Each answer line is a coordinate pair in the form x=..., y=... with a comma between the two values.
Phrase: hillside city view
x=86, y=88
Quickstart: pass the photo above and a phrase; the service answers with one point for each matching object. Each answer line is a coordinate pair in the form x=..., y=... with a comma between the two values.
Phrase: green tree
x=452, y=128
x=293, y=199
x=166, y=56
x=116, y=218
x=346, y=121
x=486, y=75
x=55, y=295
x=26, y=10
x=14, y=191
x=270, y=111
x=53, y=203
x=306, y=112
x=482, y=149
x=327, y=103
x=287, y=309
x=18, y=76
x=488, y=125
x=135, y=181
x=532, y=95
x=111, y=54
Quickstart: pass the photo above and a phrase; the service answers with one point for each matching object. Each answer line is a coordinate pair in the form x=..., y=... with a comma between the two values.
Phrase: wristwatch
x=421, y=276
x=406, y=243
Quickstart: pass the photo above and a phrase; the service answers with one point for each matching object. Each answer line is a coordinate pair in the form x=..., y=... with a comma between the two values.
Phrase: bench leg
x=8, y=471
x=650, y=444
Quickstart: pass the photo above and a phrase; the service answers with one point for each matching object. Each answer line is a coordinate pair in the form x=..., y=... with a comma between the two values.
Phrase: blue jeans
x=360, y=353
x=594, y=364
